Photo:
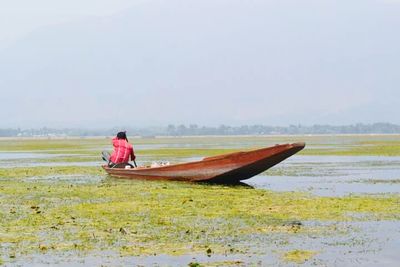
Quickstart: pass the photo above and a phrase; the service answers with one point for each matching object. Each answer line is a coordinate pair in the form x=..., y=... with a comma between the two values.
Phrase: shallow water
x=320, y=175
x=23, y=155
x=73, y=179
x=24, y=159
x=334, y=175
x=373, y=243
x=369, y=243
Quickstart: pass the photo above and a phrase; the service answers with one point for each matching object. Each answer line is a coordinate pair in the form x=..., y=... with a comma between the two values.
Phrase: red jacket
x=122, y=151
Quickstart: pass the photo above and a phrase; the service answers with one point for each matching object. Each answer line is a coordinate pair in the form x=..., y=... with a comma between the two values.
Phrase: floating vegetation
x=370, y=148
x=299, y=256
x=23, y=172
x=143, y=218
x=44, y=216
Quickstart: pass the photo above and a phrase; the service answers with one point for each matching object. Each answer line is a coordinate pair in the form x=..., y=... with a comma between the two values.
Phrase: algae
x=147, y=218
x=23, y=172
x=299, y=256
x=143, y=218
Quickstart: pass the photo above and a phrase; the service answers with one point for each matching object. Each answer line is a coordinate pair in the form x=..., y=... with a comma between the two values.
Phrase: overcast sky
x=100, y=63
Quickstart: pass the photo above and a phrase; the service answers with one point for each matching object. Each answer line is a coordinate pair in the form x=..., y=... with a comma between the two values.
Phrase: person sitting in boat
x=122, y=151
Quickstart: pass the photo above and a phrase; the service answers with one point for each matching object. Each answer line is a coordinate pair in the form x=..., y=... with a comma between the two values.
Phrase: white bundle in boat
x=159, y=164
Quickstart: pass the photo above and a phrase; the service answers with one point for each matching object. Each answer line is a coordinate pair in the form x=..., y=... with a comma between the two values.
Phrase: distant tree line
x=194, y=129
x=376, y=128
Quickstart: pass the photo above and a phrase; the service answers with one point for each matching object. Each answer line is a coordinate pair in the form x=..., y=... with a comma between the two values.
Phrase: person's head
x=121, y=135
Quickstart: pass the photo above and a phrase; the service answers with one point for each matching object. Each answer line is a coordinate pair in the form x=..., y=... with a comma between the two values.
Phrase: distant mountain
x=209, y=62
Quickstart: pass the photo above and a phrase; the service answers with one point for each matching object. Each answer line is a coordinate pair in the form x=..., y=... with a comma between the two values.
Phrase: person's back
x=122, y=149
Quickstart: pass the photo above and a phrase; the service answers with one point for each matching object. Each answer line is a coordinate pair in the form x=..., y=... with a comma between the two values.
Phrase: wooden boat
x=227, y=168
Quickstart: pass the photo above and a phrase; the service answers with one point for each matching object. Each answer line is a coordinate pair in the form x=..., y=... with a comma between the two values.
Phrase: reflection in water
x=234, y=184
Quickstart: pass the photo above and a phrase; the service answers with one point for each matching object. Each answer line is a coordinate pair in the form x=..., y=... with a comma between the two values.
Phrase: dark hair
x=121, y=135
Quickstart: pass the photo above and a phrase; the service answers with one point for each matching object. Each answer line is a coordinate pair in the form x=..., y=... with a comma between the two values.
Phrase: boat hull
x=228, y=168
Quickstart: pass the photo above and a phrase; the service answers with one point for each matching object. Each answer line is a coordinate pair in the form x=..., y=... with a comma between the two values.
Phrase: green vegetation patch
x=24, y=172
x=358, y=148
x=143, y=218
x=299, y=256
x=45, y=144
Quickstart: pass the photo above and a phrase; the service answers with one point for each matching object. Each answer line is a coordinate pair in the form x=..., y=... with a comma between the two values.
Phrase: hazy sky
x=99, y=63
x=19, y=18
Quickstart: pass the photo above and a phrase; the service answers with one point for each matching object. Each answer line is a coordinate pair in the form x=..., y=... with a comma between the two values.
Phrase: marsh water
x=322, y=175
x=367, y=243
x=335, y=175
